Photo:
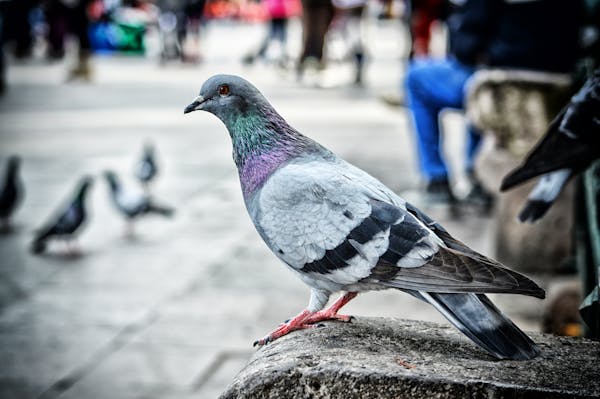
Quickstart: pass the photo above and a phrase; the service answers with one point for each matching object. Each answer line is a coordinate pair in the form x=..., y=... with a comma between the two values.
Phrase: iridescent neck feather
x=262, y=142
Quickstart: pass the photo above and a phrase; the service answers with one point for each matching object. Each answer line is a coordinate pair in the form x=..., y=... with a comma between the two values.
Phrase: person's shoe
x=83, y=69
x=393, y=99
x=309, y=66
x=438, y=191
x=479, y=197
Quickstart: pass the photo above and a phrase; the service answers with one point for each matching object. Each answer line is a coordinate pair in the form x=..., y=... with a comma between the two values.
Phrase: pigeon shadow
x=63, y=256
x=10, y=229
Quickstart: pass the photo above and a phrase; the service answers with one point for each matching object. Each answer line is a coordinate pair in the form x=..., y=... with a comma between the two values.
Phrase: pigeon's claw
x=298, y=322
x=308, y=319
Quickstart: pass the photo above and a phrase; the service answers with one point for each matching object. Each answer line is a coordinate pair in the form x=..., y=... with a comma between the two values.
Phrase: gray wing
x=131, y=201
x=320, y=219
x=336, y=224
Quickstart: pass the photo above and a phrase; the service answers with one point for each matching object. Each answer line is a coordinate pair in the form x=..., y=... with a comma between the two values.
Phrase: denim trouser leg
x=473, y=143
x=433, y=85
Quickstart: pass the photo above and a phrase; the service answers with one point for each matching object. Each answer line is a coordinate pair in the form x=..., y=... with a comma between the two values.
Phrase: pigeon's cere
x=570, y=145
x=341, y=230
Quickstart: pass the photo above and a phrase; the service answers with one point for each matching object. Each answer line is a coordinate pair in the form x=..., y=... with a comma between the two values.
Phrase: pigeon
x=11, y=190
x=133, y=204
x=146, y=169
x=68, y=222
x=570, y=145
x=342, y=230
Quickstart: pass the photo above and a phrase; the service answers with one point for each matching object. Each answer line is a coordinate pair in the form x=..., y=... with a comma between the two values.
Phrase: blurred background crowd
x=453, y=94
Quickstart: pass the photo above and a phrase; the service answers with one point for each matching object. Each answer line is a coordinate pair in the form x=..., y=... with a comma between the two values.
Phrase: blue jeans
x=433, y=85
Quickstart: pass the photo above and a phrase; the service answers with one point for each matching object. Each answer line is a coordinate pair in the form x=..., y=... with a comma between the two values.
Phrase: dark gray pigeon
x=131, y=203
x=67, y=222
x=340, y=229
x=11, y=191
x=146, y=168
x=570, y=145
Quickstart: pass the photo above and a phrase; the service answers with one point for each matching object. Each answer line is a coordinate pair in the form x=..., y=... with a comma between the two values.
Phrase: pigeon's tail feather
x=161, y=210
x=38, y=245
x=533, y=210
x=480, y=320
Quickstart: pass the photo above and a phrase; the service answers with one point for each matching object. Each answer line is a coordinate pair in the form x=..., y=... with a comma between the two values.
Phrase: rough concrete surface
x=396, y=358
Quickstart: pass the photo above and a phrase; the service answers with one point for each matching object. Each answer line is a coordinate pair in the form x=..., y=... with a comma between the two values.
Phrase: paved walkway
x=173, y=312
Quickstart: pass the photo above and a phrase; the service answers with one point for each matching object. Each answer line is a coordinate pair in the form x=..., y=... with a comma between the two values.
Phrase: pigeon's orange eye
x=223, y=90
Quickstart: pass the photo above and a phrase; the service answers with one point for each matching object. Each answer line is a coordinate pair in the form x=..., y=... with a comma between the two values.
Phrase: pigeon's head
x=227, y=96
x=148, y=148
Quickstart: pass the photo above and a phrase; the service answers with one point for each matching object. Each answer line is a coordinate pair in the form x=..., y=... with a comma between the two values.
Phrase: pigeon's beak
x=195, y=105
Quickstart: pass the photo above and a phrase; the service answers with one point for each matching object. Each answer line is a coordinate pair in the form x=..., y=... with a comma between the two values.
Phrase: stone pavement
x=173, y=312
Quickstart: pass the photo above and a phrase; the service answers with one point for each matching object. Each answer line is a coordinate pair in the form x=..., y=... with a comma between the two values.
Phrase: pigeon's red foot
x=296, y=323
x=308, y=319
x=331, y=313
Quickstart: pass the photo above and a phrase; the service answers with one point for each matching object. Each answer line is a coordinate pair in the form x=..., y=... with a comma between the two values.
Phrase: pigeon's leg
x=68, y=247
x=296, y=323
x=331, y=312
x=73, y=246
x=65, y=246
x=307, y=319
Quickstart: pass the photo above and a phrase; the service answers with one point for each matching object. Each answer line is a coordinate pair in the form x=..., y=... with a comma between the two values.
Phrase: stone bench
x=393, y=358
x=514, y=108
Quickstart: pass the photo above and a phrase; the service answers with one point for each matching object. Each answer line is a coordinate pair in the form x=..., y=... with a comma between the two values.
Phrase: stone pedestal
x=388, y=358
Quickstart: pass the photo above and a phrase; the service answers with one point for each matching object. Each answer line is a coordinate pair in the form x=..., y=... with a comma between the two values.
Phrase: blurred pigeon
x=570, y=145
x=68, y=222
x=133, y=204
x=340, y=229
x=11, y=190
x=146, y=168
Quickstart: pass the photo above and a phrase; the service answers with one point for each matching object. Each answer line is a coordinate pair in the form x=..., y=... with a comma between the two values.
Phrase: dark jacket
x=530, y=34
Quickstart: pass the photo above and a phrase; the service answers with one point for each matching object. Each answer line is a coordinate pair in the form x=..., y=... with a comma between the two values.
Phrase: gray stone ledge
x=393, y=358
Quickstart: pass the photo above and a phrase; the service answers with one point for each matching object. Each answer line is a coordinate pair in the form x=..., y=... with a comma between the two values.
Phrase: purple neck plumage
x=258, y=167
x=263, y=142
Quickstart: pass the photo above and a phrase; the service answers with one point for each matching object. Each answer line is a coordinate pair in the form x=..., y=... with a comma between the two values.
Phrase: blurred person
x=3, y=14
x=189, y=29
x=168, y=20
x=316, y=17
x=279, y=12
x=423, y=14
x=350, y=13
x=387, y=9
x=419, y=17
x=179, y=24
x=484, y=33
x=64, y=17
x=17, y=26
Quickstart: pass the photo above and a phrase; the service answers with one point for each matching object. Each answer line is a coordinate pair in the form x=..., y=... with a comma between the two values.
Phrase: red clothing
x=278, y=8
